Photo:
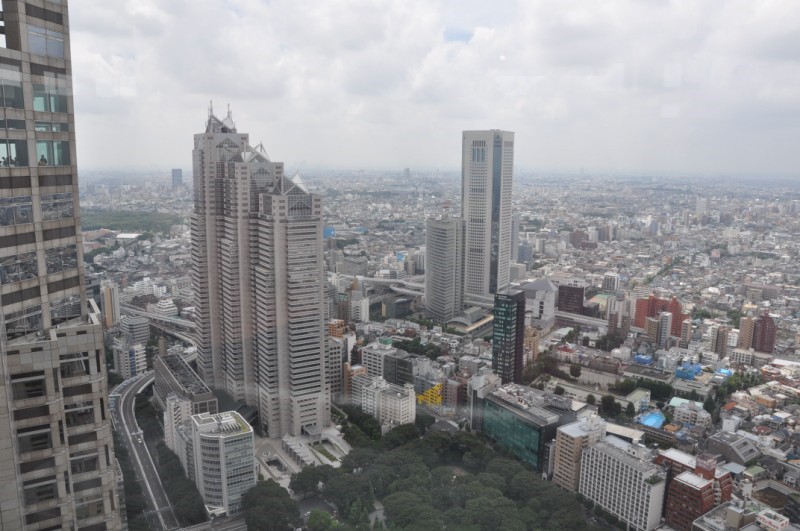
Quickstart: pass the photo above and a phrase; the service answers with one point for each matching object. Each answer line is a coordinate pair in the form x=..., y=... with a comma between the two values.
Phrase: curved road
x=121, y=402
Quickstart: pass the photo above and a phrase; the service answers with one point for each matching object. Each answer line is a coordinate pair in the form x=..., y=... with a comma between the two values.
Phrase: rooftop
x=692, y=479
x=188, y=379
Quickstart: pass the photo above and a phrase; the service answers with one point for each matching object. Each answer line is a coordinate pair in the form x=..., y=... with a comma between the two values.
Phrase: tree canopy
x=437, y=479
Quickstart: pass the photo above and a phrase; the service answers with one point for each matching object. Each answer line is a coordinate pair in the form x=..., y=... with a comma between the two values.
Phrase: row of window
x=19, y=210
x=23, y=266
x=14, y=153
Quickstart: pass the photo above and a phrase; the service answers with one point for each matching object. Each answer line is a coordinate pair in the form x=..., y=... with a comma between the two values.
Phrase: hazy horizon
x=698, y=88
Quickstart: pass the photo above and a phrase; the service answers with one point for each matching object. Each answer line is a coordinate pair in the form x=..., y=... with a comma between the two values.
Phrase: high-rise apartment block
x=619, y=477
x=695, y=485
x=487, y=167
x=136, y=328
x=57, y=466
x=258, y=277
x=571, y=439
x=508, y=336
x=653, y=306
x=746, y=327
x=764, y=332
x=719, y=339
x=444, y=276
x=109, y=303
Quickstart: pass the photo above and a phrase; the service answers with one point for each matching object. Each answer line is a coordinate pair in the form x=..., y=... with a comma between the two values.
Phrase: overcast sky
x=647, y=85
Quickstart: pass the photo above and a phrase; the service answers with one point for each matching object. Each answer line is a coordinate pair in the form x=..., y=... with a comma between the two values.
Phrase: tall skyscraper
x=444, y=277
x=57, y=467
x=487, y=166
x=258, y=276
x=508, y=339
x=177, y=178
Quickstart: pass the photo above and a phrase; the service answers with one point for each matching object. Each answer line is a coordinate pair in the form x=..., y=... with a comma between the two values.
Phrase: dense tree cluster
x=182, y=492
x=129, y=221
x=437, y=480
x=416, y=347
x=135, y=502
x=609, y=342
x=658, y=390
x=268, y=507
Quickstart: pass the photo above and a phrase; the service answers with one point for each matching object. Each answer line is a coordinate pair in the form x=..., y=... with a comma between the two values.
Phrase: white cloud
x=620, y=85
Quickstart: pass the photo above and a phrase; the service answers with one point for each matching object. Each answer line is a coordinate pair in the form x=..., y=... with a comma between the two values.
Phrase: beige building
x=57, y=466
x=747, y=326
x=258, y=277
x=571, y=439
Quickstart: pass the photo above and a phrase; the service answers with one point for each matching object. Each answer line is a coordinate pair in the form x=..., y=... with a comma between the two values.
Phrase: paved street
x=123, y=397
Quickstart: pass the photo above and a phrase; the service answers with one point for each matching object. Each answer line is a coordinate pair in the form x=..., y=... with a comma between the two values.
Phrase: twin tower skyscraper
x=258, y=278
x=468, y=259
x=258, y=273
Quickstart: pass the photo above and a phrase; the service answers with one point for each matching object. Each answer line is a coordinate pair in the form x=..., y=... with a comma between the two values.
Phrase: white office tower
x=444, y=276
x=610, y=282
x=129, y=359
x=57, y=466
x=224, y=460
x=486, y=178
x=620, y=478
x=258, y=276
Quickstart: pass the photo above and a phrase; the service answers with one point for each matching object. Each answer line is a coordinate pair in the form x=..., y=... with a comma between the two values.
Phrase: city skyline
x=620, y=88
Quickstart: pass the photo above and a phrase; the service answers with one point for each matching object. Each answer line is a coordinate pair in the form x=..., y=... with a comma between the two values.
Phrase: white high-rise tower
x=258, y=277
x=486, y=177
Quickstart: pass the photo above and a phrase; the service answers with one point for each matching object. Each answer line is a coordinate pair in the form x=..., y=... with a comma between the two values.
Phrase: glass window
x=13, y=152
x=65, y=309
x=74, y=365
x=24, y=322
x=41, y=492
x=11, y=87
x=52, y=152
x=62, y=258
x=47, y=42
x=16, y=210
x=35, y=441
x=55, y=127
x=50, y=97
x=79, y=414
x=28, y=389
x=18, y=267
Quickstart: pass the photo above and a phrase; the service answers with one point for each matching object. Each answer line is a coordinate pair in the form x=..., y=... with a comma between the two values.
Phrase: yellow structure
x=432, y=397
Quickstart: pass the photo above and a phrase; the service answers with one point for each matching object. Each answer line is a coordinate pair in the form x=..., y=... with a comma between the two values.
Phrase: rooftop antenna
x=210, y=108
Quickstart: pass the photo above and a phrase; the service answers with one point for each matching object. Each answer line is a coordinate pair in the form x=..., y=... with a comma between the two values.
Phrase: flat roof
x=692, y=479
x=681, y=457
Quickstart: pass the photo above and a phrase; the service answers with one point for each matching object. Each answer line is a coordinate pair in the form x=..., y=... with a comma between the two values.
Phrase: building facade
x=258, y=276
x=508, y=337
x=571, y=439
x=444, y=277
x=524, y=420
x=57, y=466
x=487, y=167
x=615, y=476
x=224, y=460
x=764, y=332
